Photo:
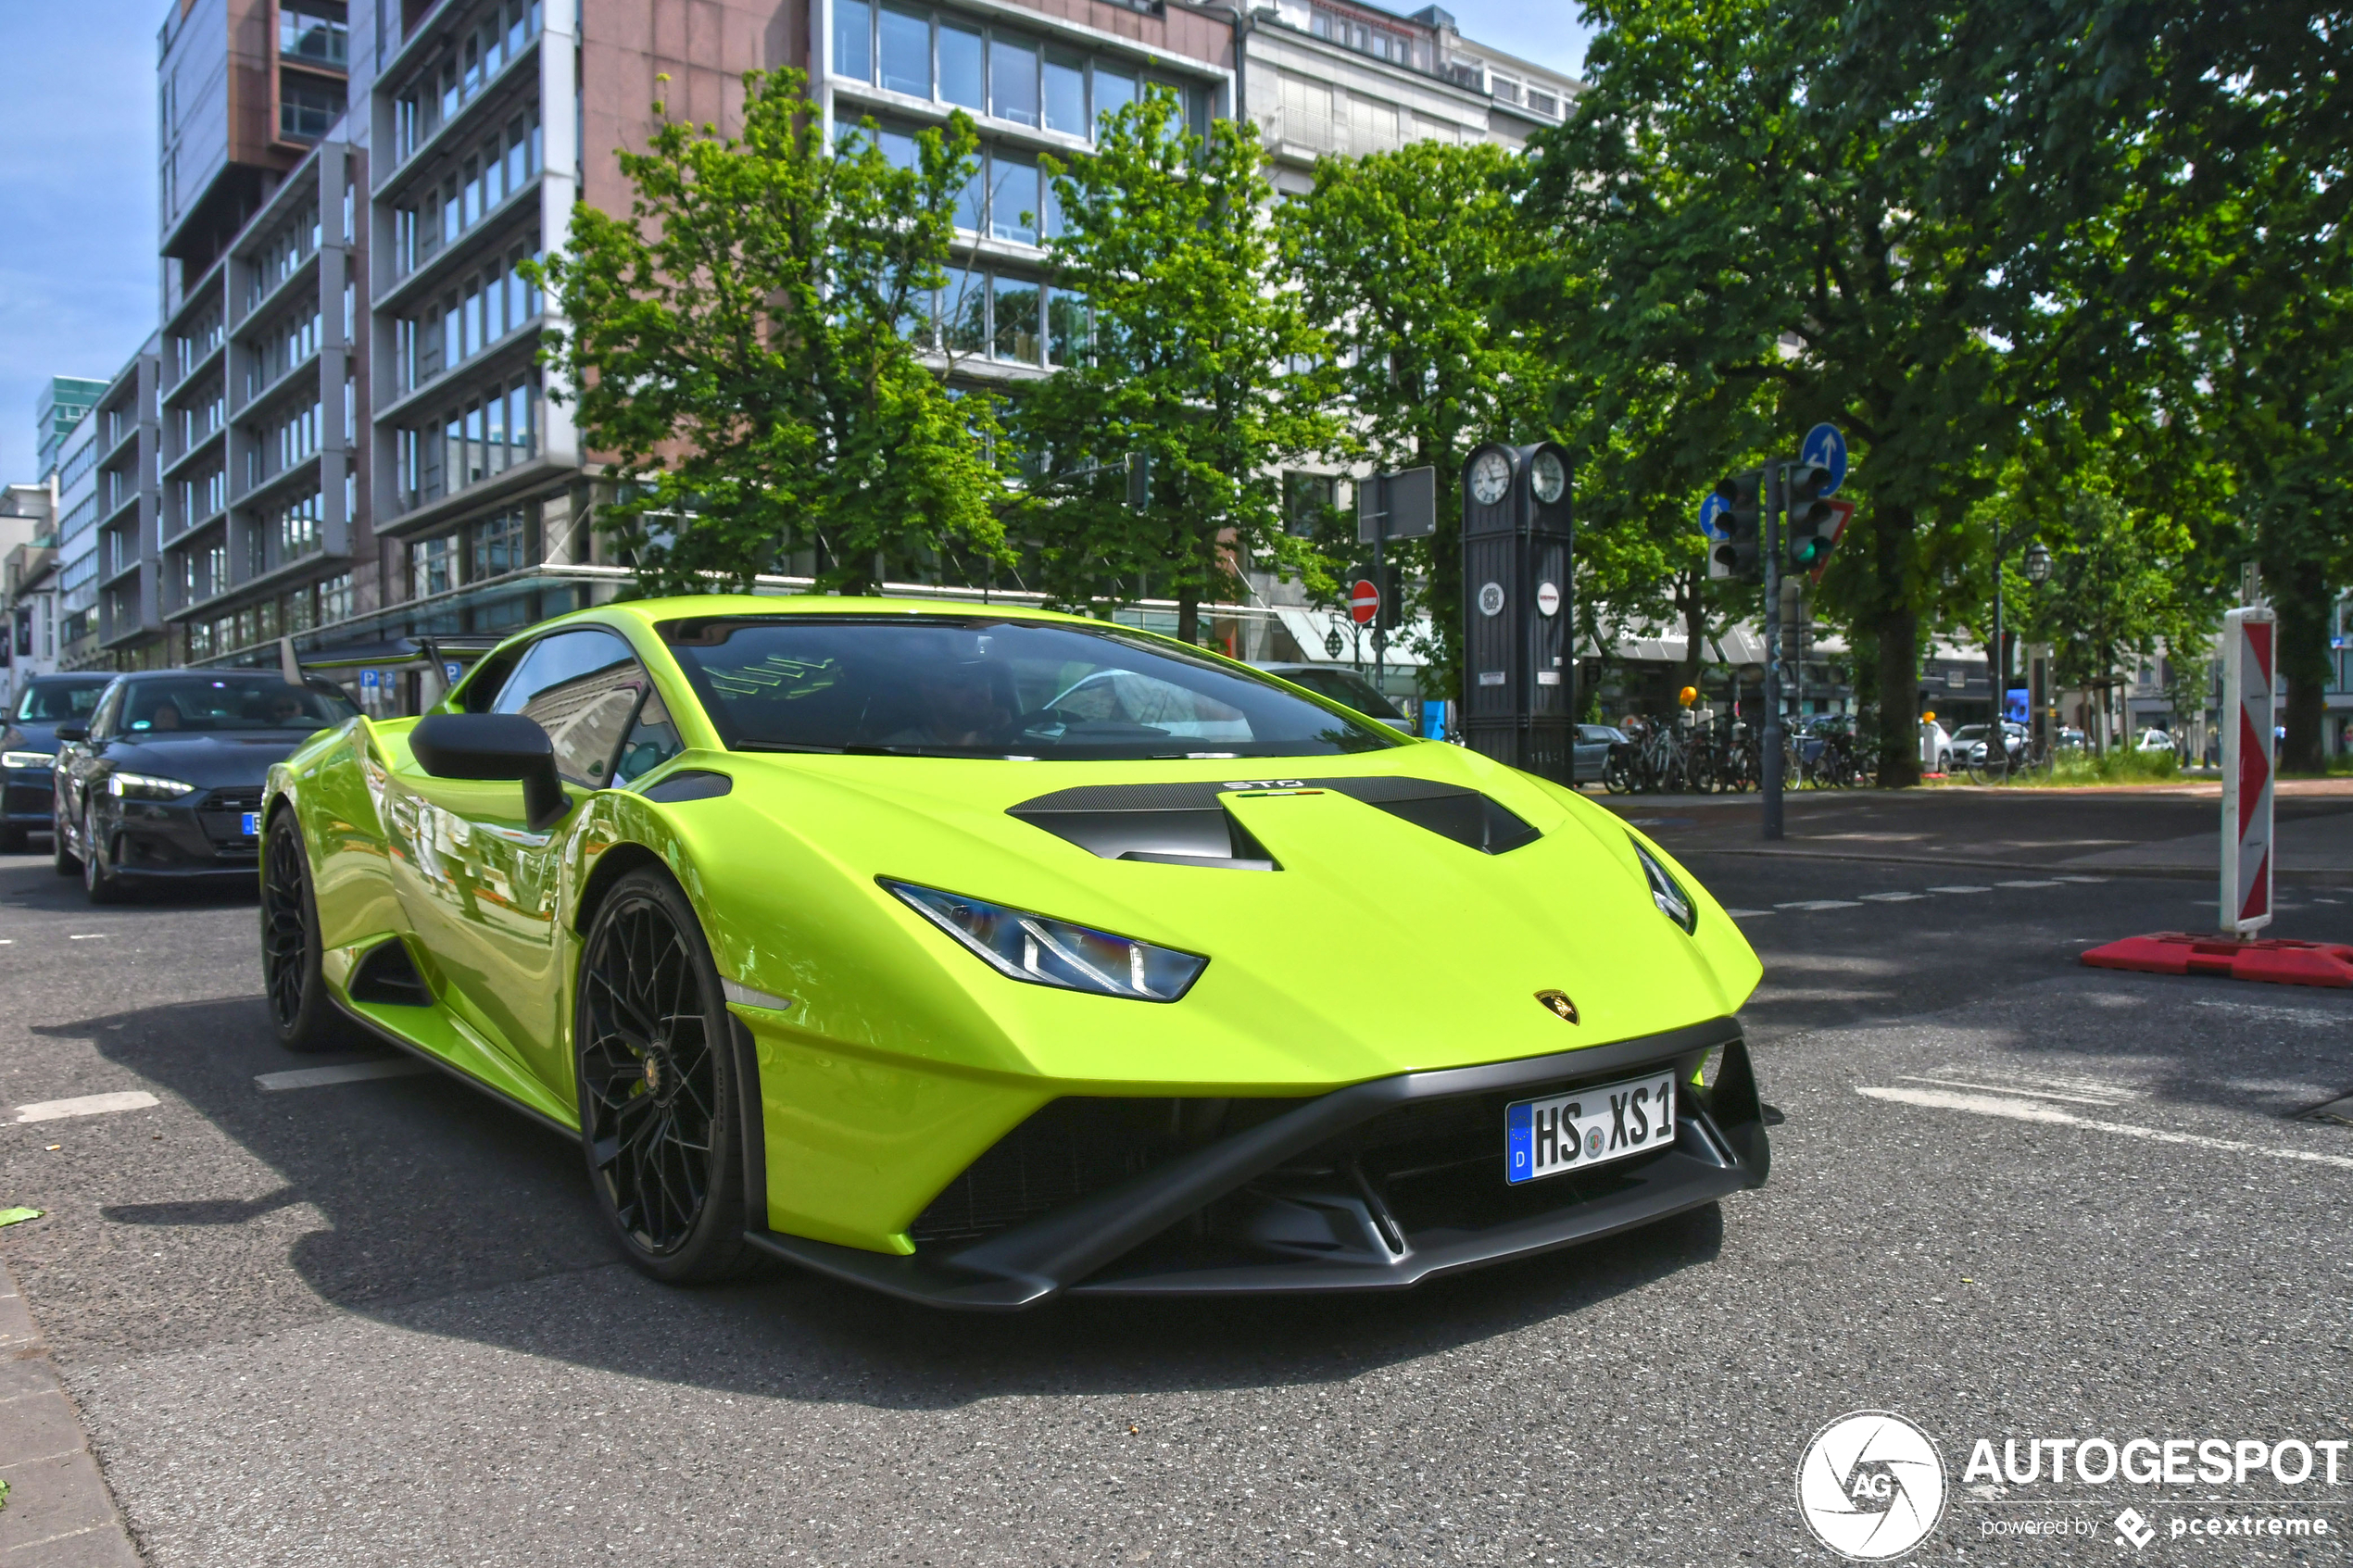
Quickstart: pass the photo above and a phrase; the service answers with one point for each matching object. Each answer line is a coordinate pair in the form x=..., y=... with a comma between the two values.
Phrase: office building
x=56, y=411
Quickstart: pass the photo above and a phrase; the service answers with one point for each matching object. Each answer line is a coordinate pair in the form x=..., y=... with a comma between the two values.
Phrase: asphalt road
x=375, y=1321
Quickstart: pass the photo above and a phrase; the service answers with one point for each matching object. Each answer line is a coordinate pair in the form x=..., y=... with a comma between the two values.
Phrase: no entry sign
x=1364, y=602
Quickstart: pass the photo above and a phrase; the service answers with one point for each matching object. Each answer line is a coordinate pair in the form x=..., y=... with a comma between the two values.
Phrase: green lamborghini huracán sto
x=983, y=956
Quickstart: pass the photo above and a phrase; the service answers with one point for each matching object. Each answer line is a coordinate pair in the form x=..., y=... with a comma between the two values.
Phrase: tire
x=62, y=859
x=302, y=1014
x=1616, y=776
x=99, y=882
x=654, y=1056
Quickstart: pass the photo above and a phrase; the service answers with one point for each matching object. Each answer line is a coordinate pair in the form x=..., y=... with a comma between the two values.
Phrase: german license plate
x=250, y=825
x=1561, y=1133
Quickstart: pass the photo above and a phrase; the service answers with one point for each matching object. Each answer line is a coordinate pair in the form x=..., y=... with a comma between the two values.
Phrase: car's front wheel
x=657, y=1088
x=98, y=879
x=301, y=1013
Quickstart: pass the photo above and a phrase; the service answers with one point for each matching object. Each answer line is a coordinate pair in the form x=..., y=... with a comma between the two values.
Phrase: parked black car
x=29, y=749
x=165, y=782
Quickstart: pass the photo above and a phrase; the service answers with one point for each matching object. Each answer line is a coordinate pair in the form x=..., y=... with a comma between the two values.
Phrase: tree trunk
x=2302, y=602
x=1694, y=596
x=1897, y=630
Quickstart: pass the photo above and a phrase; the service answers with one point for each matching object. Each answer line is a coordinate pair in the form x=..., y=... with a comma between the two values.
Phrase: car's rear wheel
x=98, y=879
x=658, y=1091
x=302, y=1014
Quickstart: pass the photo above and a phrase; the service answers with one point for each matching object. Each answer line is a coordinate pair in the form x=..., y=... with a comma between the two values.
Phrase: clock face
x=1548, y=477
x=1490, y=477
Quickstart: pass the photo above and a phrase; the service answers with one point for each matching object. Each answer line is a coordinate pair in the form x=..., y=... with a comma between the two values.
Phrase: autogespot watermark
x=1871, y=1486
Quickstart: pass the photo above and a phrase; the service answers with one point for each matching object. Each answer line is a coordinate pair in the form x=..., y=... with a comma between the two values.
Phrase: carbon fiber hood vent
x=1188, y=823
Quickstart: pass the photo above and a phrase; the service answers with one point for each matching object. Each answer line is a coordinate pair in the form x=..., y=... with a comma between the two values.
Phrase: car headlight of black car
x=17, y=759
x=145, y=786
x=1666, y=892
x=1032, y=948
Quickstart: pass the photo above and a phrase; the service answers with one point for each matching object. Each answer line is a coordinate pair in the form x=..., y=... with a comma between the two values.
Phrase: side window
x=653, y=740
x=102, y=721
x=582, y=686
x=480, y=688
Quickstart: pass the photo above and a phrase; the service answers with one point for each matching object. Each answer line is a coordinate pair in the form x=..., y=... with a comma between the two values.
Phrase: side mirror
x=73, y=732
x=494, y=746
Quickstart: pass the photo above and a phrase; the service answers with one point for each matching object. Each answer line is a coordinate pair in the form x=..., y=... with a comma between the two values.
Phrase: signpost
x=1711, y=515
x=1364, y=602
x=1825, y=447
x=1392, y=506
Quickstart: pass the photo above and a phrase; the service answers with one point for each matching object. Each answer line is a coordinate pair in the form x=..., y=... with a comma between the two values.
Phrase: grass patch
x=2076, y=770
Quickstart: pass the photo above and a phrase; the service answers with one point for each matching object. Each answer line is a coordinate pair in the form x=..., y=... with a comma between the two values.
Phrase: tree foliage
x=1401, y=252
x=742, y=351
x=1166, y=236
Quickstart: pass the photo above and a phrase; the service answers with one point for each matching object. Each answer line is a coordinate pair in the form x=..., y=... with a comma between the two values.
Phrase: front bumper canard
x=1378, y=1185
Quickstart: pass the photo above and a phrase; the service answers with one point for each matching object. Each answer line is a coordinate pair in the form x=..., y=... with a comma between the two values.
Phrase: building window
x=298, y=528
x=334, y=599
x=307, y=112
x=314, y=33
x=499, y=545
x=433, y=566
x=992, y=71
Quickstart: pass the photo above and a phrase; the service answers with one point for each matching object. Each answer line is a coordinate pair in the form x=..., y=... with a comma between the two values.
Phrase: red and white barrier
x=2248, y=729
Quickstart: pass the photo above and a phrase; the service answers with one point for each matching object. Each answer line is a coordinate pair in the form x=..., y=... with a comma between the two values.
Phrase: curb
x=2323, y=878
x=60, y=1512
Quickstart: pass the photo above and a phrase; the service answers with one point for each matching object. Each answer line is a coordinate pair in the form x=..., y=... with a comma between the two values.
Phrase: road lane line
x=2026, y=1110
x=87, y=936
x=1748, y=914
x=2008, y=1089
x=86, y=1105
x=1809, y=905
x=347, y=1073
x=2028, y=884
x=1960, y=890
x=1890, y=897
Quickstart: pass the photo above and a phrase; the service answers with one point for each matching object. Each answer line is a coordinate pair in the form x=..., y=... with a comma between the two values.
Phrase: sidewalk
x=59, y=1513
x=2133, y=830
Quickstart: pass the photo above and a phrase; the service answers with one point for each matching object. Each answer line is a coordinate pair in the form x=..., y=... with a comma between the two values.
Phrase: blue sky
x=78, y=290
x=77, y=199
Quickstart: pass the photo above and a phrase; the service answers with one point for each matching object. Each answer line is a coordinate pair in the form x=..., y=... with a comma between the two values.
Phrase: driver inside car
x=958, y=702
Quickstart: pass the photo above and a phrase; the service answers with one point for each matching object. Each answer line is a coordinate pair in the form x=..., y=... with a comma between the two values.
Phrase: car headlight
x=28, y=758
x=145, y=786
x=1666, y=892
x=1027, y=946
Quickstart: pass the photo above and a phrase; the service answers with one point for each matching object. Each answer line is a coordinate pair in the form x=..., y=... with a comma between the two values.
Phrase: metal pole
x=1380, y=580
x=1776, y=495
x=1999, y=734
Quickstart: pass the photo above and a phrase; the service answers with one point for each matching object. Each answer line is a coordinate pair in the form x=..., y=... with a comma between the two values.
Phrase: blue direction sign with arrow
x=1826, y=448
x=1709, y=510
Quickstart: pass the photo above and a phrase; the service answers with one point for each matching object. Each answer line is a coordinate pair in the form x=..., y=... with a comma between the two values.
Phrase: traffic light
x=1806, y=532
x=1737, y=553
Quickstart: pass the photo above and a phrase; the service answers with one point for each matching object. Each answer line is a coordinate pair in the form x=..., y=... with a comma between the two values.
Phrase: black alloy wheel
x=302, y=1014
x=98, y=879
x=654, y=1053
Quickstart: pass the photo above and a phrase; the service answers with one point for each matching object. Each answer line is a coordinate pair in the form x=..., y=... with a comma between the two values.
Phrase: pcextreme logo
x=1871, y=1485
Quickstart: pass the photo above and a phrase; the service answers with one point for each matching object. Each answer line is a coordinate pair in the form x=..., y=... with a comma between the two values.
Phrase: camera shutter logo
x=1871, y=1485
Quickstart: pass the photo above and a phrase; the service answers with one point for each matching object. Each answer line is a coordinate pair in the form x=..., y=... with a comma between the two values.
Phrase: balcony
x=321, y=43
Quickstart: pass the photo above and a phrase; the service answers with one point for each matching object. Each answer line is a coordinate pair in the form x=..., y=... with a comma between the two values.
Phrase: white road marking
x=1960, y=890
x=2007, y=1089
x=2028, y=884
x=87, y=1105
x=2294, y=1015
x=1748, y=914
x=345, y=1072
x=1890, y=897
x=2082, y=879
x=1812, y=904
x=2027, y=1110
x=87, y=936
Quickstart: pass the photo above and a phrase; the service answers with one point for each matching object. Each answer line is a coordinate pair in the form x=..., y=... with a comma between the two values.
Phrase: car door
x=79, y=761
x=483, y=887
x=1591, y=753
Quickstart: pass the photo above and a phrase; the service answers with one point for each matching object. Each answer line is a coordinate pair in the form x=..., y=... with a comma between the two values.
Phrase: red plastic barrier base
x=2277, y=960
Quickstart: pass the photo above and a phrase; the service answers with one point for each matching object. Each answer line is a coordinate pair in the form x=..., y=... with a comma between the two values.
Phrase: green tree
x=1746, y=198
x=742, y=348
x=1403, y=252
x=1166, y=237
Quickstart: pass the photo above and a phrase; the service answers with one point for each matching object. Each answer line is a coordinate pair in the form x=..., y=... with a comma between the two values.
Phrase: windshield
x=162, y=704
x=54, y=702
x=977, y=687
